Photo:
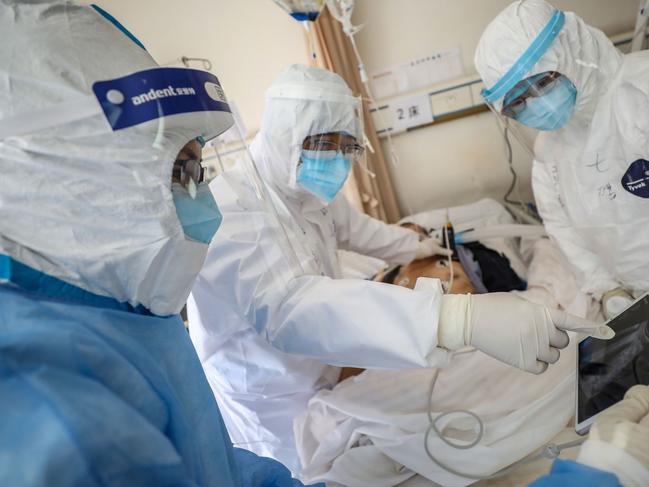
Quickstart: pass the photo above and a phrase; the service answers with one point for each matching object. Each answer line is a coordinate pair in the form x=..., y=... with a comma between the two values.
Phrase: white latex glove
x=429, y=247
x=510, y=329
x=619, y=439
x=615, y=301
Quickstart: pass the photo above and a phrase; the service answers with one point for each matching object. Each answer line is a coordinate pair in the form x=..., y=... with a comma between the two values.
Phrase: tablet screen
x=609, y=368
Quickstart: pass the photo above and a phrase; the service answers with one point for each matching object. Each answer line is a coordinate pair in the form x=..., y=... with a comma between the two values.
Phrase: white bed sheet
x=369, y=430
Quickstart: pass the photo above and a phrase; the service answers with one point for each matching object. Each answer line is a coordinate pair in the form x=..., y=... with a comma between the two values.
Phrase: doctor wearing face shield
x=550, y=71
x=104, y=224
x=269, y=329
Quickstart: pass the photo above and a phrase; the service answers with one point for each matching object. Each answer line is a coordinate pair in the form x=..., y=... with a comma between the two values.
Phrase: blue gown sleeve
x=257, y=471
x=566, y=473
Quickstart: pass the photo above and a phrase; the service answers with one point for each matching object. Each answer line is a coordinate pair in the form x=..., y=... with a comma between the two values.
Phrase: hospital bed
x=482, y=214
x=369, y=430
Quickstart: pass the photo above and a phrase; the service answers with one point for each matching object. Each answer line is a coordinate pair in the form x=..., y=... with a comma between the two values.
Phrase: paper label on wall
x=411, y=112
x=418, y=73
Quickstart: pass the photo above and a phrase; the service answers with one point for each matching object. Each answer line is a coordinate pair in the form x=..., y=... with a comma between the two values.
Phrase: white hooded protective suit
x=93, y=391
x=109, y=226
x=244, y=316
x=591, y=177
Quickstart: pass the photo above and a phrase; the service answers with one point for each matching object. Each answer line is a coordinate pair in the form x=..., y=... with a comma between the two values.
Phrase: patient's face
x=436, y=267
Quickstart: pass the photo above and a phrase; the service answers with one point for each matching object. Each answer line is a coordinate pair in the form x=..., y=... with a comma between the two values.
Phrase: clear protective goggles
x=338, y=142
x=188, y=170
x=189, y=173
x=537, y=86
x=342, y=133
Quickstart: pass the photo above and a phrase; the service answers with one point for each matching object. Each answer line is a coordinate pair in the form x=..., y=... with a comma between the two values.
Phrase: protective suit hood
x=591, y=177
x=78, y=201
x=582, y=53
x=302, y=101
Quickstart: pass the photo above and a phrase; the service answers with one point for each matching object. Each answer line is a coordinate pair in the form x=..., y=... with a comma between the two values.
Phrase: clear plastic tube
x=500, y=231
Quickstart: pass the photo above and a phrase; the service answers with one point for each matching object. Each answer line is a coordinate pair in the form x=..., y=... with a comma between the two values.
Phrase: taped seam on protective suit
x=453, y=321
x=438, y=355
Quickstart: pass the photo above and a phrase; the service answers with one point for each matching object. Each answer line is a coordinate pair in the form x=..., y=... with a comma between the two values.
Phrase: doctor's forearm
x=358, y=323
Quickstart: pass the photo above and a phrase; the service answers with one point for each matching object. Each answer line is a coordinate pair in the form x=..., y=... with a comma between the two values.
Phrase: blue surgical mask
x=323, y=173
x=200, y=217
x=552, y=110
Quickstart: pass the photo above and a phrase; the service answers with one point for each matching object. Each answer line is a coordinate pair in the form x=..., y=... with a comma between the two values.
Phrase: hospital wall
x=463, y=160
x=248, y=41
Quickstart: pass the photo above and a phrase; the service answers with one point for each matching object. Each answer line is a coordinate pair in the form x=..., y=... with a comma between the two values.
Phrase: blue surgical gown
x=93, y=392
x=566, y=473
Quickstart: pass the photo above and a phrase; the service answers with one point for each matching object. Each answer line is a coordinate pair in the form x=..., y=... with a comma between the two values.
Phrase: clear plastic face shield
x=133, y=148
x=341, y=143
x=228, y=163
x=170, y=111
x=259, y=223
x=543, y=101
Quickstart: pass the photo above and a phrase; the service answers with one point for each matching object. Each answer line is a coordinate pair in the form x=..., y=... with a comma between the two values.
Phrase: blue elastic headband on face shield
x=117, y=24
x=526, y=62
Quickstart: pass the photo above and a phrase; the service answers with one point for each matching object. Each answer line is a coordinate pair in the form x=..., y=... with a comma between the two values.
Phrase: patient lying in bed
x=369, y=430
x=439, y=267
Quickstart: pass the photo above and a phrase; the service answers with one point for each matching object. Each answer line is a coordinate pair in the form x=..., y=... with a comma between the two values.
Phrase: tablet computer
x=606, y=369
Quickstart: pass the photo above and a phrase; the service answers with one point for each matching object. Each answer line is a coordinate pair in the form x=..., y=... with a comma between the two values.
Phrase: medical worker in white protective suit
x=270, y=329
x=551, y=71
x=102, y=231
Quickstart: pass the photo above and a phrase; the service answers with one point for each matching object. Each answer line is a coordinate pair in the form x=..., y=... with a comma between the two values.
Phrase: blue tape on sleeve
x=160, y=92
x=529, y=58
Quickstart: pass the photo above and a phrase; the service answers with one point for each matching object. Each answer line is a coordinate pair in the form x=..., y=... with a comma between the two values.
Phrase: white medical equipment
x=500, y=231
x=187, y=62
x=304, y=11
x=493, y=231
